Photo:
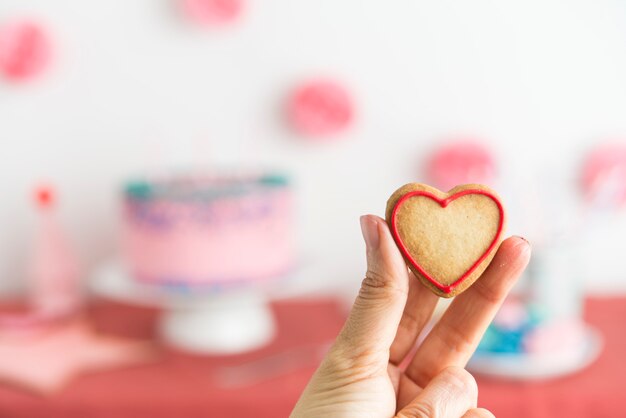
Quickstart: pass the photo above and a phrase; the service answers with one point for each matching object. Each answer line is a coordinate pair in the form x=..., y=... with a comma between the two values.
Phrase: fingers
x=419, y=308
x=478, y=413
x=455, y=337
x=373, y=321
x=449, y=395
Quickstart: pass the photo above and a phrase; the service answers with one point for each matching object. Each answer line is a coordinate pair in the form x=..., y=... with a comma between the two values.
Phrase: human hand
x=362, y=374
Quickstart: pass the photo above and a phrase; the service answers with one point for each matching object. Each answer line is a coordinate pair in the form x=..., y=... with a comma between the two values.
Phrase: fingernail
x=528, y=244
x=369, y=228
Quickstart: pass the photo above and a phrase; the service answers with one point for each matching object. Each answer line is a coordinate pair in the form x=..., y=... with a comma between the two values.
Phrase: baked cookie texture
x=447, y=238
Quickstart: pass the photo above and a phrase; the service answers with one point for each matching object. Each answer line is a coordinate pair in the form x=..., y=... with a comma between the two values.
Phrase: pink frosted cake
x=216, y=231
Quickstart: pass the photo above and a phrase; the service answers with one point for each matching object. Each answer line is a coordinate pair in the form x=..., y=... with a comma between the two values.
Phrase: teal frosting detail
x=274, y=180
x=177, y=190
x=139, y=189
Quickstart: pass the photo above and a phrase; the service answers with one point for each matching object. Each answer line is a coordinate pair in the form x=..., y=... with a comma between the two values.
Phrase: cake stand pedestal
x=232, y=324
x=210, y=321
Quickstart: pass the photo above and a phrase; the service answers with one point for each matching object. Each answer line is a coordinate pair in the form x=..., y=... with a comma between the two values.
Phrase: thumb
x=373, y=321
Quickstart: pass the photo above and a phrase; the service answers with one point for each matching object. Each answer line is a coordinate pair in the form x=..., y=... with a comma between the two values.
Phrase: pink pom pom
x=25, y=50
x=320, y=108
x=604, y=175
x=212, y=12
x=461, y=163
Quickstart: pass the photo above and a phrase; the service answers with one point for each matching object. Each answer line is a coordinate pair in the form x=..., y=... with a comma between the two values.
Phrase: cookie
x=447, y=239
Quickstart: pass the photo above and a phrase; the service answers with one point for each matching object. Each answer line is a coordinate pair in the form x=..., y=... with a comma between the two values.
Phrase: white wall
x=135, y=88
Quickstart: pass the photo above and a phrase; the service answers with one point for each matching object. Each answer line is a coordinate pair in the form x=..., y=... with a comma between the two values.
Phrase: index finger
x=455, y=337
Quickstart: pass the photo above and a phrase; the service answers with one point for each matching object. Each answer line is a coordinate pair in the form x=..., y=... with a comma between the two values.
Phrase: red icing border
x=444, y=203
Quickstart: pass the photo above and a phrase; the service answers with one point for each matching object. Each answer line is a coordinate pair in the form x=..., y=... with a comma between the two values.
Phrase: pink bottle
x=54, y=276
x=603, y=180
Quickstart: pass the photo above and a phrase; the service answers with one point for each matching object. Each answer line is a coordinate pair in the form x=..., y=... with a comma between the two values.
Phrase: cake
x=208, y=230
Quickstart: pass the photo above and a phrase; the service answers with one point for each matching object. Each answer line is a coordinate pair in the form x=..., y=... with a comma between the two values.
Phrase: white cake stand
x=215, y=320
x=209, y=321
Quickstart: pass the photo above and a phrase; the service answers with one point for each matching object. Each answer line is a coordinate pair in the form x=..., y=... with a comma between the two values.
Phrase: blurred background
x=318, y=111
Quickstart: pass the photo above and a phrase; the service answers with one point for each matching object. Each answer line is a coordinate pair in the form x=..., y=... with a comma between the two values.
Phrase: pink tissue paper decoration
x=211, y=12
x=320, y=109
x=461, y=162
x=47, y=361
x=25, y=50
x=54, y=274
x=603, y=179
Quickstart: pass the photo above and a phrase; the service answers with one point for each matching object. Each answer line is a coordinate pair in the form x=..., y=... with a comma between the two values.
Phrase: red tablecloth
x=183, y=385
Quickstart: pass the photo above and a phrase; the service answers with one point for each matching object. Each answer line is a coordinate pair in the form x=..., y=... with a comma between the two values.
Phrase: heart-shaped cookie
x=448, y=239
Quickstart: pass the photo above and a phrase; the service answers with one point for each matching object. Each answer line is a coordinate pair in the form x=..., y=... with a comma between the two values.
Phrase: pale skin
x=374, y=368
